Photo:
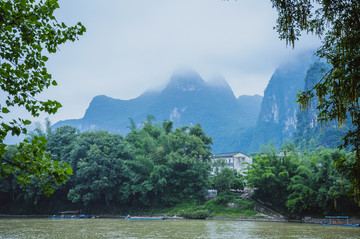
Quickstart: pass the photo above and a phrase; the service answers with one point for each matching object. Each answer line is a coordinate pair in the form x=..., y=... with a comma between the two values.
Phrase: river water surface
x=120, y=228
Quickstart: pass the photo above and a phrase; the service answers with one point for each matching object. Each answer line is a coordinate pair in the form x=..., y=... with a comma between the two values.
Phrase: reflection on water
x=120, y=228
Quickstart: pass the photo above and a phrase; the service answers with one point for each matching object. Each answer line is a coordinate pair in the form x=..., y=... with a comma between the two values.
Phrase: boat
x=71, y=215
x=339, y=221
x=144, y=218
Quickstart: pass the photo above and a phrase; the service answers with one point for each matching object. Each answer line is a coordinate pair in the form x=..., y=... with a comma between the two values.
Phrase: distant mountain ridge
x=278, y=115
x=242, y=124
x=280, y=119
x=186, y=100
x=308, y=127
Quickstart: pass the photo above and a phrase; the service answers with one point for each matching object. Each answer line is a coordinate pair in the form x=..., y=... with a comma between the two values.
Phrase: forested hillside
x=155, y=166
x=159, y=167
x=303, y=183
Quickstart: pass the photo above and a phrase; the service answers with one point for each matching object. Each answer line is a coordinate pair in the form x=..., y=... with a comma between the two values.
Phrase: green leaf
x=5, y=110
x=69, y=171
x=27, y=122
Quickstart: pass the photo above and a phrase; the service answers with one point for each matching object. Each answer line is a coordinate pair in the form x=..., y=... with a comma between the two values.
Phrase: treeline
x=303, y=183
x=155, y=166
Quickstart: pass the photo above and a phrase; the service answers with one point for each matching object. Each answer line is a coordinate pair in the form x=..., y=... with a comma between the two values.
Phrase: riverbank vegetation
x=154, y=166
x=213, y=208
x=158, y=170
x=303, y=182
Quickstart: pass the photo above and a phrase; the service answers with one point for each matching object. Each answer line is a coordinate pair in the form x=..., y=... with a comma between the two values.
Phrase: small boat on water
x=71, y=215
x=144, y=218
x=339, y=221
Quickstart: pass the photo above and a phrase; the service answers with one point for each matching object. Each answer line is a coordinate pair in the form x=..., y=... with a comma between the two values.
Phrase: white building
x=238, y=161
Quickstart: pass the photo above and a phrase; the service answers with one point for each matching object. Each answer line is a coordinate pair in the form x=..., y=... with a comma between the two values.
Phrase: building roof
x=228, y=155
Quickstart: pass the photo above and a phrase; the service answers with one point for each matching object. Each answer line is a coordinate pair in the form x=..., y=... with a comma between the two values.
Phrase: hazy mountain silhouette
x=186, y=100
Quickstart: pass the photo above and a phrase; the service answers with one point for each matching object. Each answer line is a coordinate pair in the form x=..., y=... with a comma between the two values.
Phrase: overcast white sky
x=133, y=45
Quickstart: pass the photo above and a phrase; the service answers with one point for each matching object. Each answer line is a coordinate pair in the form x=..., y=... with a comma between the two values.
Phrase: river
x=120, y=228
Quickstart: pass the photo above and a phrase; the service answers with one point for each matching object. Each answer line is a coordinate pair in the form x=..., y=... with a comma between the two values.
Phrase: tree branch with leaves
x=337, y=23
x=29, y=33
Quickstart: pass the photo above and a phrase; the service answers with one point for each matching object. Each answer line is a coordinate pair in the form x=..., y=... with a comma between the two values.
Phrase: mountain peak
x=220, y=82
x=186, y=79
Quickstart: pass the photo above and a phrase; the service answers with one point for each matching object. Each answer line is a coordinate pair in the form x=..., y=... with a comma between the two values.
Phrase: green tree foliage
x=29, y=33
x=100, y=173
x=302, y=183
x=154, y=166
x=317, y=185
x=338, y=25
x=178, y=161
x=226, y=179
x=270, y=175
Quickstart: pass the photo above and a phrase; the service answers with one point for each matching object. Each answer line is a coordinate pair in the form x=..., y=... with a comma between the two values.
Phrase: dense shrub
x=223, y=198
x=200, y=213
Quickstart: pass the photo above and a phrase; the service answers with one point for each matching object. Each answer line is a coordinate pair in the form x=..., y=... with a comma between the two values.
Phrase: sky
x=134, y=45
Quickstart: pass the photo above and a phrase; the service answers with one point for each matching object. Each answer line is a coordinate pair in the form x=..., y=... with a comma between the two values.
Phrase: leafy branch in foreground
x=337, y=24
x=28, y=33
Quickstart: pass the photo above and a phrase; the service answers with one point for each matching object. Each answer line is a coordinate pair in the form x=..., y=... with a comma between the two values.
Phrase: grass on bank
x=214, y=208
x=191, y=208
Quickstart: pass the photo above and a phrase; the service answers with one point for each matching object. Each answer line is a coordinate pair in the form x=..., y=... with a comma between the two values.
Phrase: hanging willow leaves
x=337, y=23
